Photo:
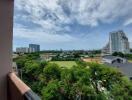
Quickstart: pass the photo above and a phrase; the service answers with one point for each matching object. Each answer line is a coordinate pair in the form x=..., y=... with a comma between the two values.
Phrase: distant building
x=34, y=48
x=120, y=63
x=106, y=49
x=130, y=46
x=125, y=68
x=22, y=50
x=118, y=42
x=113, y=59
x=47, y=56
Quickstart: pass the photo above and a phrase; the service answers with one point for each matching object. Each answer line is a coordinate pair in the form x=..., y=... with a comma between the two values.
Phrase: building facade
x=113, y=59
x=22, y=50
x=34, y=48
x=118, y=42
x=119, y=63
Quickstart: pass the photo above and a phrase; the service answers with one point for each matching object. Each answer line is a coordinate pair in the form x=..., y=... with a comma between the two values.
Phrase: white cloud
x=53, y=15
x=86, y=12
x=46, y=13
x=39, y=36
x=128, y=22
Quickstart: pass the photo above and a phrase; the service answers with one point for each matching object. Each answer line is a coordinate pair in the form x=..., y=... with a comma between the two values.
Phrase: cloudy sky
x=70, y=24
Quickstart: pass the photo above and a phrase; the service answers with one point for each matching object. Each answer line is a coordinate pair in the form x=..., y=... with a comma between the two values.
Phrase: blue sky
x=70, y=24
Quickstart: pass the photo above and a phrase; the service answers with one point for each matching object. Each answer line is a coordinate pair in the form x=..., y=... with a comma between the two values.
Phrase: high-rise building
x=118, y=42
x=34, y=48
x=130, y=44
x=22, y=50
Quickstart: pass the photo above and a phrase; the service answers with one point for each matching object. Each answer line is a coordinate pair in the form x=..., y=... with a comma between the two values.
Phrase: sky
x=70, y=24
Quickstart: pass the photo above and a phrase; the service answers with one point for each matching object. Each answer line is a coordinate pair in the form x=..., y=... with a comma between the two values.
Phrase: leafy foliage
x=120, y=54
x=128, y=56
x=52, y=71
x=85, y=81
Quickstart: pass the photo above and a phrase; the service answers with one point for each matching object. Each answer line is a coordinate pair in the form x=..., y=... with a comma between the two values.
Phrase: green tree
x=52, y=91
x=52, y=71
x=85, y=81
x=31, y=67
x=20, y=61
x=33, y=56
x=120, y=54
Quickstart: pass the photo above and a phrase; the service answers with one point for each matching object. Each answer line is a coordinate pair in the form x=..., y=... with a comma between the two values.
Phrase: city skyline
x=30, y=49
x=57, y=24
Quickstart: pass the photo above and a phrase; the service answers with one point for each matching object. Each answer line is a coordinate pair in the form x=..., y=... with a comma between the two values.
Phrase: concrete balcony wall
x=6, y=31
x=11, y=87
x=18, y=90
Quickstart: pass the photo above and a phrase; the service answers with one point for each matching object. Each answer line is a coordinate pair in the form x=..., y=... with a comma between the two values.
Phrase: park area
x=130, y=61
x=67, y=64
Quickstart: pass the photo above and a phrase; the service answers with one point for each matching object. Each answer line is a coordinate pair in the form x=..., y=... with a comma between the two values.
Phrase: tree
x=120, y=54
x=85, y=81
x=76, y=55
x=76, y=83
x=51, y=91
x=52, y=71
x=93, y=81
x=123, y=90
x=33, y=56
x=31, y=67
x=128, y=56
x=20, y=61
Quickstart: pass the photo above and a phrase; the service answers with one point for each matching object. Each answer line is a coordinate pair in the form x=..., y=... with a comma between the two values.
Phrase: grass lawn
x=130, y=61
x=67, y=64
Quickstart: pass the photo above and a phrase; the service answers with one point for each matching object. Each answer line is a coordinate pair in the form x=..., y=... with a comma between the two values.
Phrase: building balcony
x=18, y=90
x=11, y=87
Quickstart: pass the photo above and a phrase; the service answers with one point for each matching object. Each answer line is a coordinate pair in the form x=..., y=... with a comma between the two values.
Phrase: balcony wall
x=11, y=88
x=6, y=32
x=18, y=90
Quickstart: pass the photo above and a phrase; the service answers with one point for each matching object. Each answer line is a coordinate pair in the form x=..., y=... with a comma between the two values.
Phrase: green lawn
x=67, y=64
x=130, y=61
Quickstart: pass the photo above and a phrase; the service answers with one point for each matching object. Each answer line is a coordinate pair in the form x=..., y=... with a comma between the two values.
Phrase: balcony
x=18, y=90
x=11, y=87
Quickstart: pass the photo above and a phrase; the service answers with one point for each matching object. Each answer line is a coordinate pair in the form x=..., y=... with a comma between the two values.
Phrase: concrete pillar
x=6, y=31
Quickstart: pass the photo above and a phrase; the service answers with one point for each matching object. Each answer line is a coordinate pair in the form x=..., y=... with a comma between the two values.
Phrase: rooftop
x=125, y=68
x=111, y=57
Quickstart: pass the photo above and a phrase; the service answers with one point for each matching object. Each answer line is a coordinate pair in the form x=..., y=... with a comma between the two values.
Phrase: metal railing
x=30, y=95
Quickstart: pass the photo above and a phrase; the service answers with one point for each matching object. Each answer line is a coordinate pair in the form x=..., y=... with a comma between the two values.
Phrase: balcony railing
x=18, y=90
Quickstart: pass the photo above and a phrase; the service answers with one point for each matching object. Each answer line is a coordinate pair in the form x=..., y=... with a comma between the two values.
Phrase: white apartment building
x=22, y=50
x=118, y=42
